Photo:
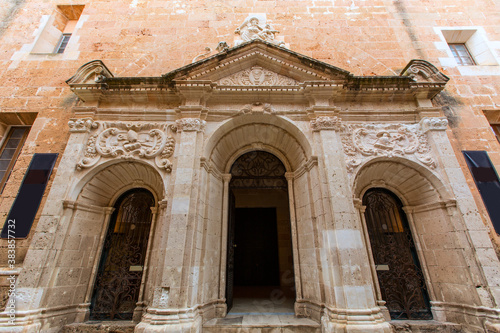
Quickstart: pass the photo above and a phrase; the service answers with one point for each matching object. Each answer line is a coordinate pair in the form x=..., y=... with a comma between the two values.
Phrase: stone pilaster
x=475, y=234
x=175, y=311
x=355, y=306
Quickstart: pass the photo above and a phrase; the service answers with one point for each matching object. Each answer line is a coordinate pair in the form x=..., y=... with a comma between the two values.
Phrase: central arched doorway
x=260, y=275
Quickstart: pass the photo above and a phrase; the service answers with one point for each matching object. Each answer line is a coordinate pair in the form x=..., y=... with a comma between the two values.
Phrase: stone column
x=293, y=225
x=466, y=216
x=171, y=310
x=222, y=307
x=355, y=308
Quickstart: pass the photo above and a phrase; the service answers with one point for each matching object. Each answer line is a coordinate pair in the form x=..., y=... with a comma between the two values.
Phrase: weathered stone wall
x=145, y=38
x=149, y=38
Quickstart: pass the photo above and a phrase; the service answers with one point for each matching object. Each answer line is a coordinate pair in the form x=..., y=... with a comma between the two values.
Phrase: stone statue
x=250, y=29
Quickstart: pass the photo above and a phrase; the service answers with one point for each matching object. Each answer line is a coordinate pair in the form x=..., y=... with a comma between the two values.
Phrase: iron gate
x=400, y=277
x=119, y=277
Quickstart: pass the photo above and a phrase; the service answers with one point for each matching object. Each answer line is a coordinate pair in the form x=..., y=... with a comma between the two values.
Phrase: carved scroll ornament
x=134, y=141
x=361, y=142
x=257, y=76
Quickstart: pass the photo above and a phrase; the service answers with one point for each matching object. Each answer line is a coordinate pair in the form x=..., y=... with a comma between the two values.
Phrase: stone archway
x=273, y=135
x=92, y=212
x=436, y=225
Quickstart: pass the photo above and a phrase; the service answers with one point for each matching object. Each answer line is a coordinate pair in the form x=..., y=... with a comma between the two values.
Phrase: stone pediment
x=260, y=63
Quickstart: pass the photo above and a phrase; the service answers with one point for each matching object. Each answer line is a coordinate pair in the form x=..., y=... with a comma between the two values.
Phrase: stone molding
x=326, y=123
x=148, y=141
x=257, y=76
x=423, y=71
x=365, y=141
x=190, y=125
x=90, y=73
x=433, y=124
x=83, y=125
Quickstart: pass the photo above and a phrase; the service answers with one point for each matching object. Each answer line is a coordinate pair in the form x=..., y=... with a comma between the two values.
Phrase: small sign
x=382, y=267
x=135, y=268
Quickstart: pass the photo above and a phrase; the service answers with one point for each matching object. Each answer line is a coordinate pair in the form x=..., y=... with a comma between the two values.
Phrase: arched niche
x=104, y=184
x=87, y=217
x=435, y=222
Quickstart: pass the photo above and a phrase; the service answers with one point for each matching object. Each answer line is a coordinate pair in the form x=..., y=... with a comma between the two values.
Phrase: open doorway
x=260, y=275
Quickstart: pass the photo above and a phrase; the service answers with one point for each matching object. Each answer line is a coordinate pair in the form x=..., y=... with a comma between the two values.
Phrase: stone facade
x=348, y=95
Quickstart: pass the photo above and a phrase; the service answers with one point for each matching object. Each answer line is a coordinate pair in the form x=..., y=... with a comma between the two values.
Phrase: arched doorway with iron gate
x=399, y=272
x=119, y=276
x=260, y=274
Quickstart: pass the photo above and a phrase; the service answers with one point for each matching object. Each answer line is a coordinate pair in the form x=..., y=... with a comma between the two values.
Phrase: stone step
x=100, y=327
x=261, y=323
x=425, y=326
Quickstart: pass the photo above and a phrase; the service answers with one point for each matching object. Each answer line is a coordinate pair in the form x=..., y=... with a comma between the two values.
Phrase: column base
x=354, y=321
x=170, y=321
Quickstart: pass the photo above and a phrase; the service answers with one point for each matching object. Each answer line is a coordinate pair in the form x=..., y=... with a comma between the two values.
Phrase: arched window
x=398, y=269
x=118, y=280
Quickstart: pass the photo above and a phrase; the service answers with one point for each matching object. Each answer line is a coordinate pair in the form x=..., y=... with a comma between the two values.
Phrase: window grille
x=63, y=42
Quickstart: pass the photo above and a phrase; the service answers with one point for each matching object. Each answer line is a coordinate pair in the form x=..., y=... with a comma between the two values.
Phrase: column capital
x=226, y=177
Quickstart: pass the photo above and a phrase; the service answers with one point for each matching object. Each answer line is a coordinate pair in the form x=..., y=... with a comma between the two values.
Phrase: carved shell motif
x=257, y=76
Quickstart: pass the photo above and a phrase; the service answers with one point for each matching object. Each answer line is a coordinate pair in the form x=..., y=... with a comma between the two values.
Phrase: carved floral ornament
x=364, y=141
x=81, y=125
x=190, y=125
x=326, y=123
x=150, y=141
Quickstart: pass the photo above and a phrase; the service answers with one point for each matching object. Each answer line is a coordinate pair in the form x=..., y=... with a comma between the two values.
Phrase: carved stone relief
x=257, y=76
x=190, y=125
x=326, y=123
x=150, y=141
x=81, y=125
x=257, y=108
x=433, y=124
x=254, y=28
x=362, y=141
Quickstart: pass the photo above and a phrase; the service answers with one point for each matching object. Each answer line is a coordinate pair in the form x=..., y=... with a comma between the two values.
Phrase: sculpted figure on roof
x=251, y=29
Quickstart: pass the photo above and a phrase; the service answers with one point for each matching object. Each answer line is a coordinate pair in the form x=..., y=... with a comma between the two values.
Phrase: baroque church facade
x=320, y=166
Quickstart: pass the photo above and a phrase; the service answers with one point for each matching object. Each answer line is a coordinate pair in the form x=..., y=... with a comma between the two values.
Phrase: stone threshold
x=261, y=323
x=424, y=326
x=119, y=326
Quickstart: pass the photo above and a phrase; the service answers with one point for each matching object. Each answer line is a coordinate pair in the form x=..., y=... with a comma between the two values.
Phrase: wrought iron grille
x=400, y=277
x=119, y=277
x=258, y=169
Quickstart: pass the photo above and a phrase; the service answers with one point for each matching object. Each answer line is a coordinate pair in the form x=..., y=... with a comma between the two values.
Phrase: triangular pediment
x=258, y=63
